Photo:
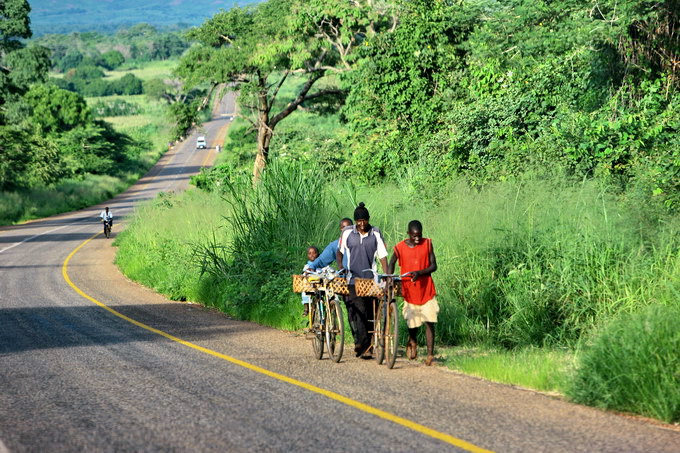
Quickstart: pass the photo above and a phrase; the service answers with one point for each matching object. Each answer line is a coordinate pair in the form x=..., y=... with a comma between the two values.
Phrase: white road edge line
x=3, y=449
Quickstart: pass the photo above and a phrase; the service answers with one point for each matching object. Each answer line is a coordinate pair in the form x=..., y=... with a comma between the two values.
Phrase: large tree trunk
x=264, y=136
x=266, y=124
x=264, y=132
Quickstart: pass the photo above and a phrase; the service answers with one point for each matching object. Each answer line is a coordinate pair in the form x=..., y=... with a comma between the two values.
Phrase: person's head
x=107, y=209
x=415, y=231
x=361, y=217
x=344, y=223
x=312, y=253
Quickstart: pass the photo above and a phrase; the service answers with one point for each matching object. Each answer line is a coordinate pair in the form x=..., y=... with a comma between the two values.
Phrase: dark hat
x=361, y=213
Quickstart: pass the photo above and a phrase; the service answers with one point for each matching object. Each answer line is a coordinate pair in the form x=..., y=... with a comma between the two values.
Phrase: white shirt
x=104, y=216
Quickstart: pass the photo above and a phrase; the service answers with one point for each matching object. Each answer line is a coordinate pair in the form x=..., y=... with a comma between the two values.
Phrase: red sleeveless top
x=415, y=259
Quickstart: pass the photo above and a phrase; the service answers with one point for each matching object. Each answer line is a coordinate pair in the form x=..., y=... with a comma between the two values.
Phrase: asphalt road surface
x=90, y=361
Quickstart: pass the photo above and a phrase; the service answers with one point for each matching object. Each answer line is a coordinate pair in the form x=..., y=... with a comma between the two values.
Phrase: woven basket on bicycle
x=301, y=284
x=339, y=286
x=367, y=287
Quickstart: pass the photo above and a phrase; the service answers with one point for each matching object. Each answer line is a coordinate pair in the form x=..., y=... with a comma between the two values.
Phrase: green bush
x=633, y=365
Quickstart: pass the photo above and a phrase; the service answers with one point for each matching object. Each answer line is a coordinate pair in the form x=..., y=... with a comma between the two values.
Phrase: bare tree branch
x=292, y=105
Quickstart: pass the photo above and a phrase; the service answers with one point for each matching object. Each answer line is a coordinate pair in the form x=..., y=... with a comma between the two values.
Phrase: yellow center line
x=312, y=388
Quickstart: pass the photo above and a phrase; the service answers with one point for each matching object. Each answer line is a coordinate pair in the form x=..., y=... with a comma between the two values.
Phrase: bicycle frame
x=325, y=319
x=386, y=321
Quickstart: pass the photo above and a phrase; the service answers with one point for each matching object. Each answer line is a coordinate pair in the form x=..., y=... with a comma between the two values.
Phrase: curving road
x=92, y=362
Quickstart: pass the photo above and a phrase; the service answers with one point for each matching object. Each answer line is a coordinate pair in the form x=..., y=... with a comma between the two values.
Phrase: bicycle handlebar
x=328, y=274
x=383, y=276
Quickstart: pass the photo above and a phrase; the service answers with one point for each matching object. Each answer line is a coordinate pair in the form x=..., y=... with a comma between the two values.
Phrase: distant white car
x=200, y=143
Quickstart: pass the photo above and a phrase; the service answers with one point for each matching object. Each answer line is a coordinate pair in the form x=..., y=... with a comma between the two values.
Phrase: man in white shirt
x=361, y=244
x=106, y=216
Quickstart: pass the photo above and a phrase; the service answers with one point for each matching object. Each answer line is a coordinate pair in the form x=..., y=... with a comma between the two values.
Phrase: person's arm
x=383, y=263
x=428, y=270
x=326, y=258
x=382, y=254
x=393, y=261
x=341, y=250
x=338, y=257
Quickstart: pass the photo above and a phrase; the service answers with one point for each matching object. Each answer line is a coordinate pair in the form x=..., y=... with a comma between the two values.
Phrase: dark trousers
x=360, y=314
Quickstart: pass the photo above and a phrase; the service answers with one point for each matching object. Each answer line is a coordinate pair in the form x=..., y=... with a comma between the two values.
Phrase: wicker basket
x=339, y=286
x=301, y=285
x=367, y=287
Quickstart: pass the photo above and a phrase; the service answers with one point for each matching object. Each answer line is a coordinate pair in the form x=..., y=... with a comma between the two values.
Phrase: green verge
x=547, y=370
x=633, y=365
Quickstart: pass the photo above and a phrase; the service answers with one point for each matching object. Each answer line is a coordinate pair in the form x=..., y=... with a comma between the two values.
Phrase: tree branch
x=292, y=105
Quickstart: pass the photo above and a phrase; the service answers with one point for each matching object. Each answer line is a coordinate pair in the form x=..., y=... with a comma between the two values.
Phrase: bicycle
x=107, y=228
x=385, y=332
x=326, y=321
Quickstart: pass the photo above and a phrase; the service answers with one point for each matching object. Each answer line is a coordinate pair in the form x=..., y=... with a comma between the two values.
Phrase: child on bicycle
x=312, y=254
x=417, y=259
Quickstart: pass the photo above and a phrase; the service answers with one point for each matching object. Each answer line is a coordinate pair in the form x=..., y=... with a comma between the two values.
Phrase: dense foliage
x=633, y=365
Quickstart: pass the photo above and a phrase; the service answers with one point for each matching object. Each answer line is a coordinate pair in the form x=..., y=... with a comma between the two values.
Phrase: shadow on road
x=35, y=328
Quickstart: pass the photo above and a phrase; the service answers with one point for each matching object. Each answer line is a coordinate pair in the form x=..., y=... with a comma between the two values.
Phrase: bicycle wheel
x=335, y=330
x=379, y=332
x=107, y=230
x=317, y=326
x=391, y=334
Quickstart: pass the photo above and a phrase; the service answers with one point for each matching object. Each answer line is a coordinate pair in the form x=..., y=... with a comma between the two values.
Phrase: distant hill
x=65, y=16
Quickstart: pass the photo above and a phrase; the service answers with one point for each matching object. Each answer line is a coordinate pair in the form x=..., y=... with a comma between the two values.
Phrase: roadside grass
x=67, y=195
x=633, y=365
x=547, y=370
x=157, y=246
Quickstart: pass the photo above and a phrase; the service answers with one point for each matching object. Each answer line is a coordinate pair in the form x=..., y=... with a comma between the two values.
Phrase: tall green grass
x=67, y=195
x=533, y=264
x=157, y=247
x=272, y=225
x=633, y=365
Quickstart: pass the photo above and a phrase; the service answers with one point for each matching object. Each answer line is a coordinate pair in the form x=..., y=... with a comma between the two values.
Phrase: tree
x=112, y=59
x=56, y=110
x=28, y=65
x=128, y=84
x=256, y=49
x=14, y=26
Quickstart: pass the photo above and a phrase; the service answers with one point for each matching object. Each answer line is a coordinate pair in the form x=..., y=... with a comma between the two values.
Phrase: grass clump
x=541, y=369
x=633, y=365
x=272, y=224
x=156, y=248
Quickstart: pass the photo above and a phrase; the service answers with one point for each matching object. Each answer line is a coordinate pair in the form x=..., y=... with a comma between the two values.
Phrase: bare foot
x=429, y=360
x=411, y=350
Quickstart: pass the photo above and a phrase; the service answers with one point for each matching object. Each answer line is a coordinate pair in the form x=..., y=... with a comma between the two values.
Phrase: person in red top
x=417, y=259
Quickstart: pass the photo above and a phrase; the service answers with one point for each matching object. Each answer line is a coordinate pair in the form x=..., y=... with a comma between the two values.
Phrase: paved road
x=92, y=362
